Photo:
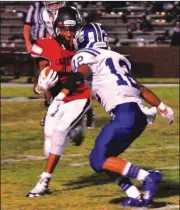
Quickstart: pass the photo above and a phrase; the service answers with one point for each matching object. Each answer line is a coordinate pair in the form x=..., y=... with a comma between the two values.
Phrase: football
x=45, y=71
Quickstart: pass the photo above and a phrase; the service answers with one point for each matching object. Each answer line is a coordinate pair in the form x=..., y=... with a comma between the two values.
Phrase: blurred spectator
x=157, y=6
x=162, y=39
x=129, y=34
x=145, y=24
x=175, y=35
x=133, y=25
x=124, y=17
x=92, y=17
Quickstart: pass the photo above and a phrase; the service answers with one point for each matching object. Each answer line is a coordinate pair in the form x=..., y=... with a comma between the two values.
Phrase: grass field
x=75, y=186
x=23, y=79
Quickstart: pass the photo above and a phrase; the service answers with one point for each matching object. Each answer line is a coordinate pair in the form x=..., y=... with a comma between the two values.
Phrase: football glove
x=45, y=83
x=166, y=112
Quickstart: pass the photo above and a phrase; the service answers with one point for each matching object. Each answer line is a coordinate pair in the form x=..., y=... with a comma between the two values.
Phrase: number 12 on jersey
x=122, y=79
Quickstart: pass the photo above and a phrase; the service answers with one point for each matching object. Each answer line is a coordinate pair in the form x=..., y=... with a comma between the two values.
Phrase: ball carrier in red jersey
x=65, y=113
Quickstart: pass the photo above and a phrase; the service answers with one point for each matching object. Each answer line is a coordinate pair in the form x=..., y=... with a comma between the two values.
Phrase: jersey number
x=122, y=79
x=79, y=62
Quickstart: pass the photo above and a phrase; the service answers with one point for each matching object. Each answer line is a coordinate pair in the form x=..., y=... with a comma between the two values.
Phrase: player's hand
x=48, y=82
x=54, y=107
x=168, y=113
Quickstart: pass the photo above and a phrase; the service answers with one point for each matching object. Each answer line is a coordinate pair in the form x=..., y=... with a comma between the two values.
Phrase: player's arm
x=151, y=98
x=74, y=81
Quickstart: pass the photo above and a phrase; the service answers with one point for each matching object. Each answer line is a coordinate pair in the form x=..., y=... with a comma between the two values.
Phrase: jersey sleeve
x=85, y=56
x=37, y=50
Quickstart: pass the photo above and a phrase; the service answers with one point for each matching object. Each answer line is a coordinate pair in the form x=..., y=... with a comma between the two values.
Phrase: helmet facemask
x=65, y=34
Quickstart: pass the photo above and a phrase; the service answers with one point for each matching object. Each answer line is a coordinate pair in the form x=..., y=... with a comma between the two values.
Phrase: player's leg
x=128, y=124
x=56, y=130
x=76, y=134
x=90, y=118
x=41, y=187
x=127, y=186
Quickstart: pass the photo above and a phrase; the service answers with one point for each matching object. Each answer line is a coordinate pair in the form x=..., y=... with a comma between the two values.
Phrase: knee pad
x=59, y=142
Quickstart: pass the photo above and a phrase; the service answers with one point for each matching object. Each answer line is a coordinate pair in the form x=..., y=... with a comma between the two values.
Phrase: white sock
x=45, y=174
x=133, y=192
x=142, y=174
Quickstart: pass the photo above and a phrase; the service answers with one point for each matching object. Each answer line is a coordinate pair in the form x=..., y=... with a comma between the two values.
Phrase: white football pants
x=56, y=128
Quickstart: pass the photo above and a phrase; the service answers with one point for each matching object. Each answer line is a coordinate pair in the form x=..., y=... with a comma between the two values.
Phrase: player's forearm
x=73, y=82
x=26, y=33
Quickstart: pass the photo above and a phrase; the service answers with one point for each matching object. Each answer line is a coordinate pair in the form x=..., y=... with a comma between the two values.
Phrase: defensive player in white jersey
x=121, y=96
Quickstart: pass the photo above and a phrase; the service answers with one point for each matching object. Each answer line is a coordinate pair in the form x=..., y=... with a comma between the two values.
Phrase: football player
x=121, y=96
x=47, y=16
x=63, y=114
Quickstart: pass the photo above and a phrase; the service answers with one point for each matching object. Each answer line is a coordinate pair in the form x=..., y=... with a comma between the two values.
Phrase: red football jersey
x=60, y=61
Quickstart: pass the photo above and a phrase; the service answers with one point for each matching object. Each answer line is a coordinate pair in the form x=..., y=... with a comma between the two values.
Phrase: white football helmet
x=53, y=6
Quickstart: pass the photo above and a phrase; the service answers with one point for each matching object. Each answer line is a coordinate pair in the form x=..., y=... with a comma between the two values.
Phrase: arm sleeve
x=37, y=50
x=29, y=16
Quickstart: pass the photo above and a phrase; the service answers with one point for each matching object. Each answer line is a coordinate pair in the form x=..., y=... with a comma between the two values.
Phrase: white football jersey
x=112, y=83
x=47, y=20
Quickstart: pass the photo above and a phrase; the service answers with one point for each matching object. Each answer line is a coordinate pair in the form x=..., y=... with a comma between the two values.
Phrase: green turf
x=18, y=91
x=24, y=79
x=80, y=188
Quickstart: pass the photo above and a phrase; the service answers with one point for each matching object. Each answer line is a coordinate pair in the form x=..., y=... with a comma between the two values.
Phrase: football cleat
x=40, y=189
x=132, y=202
x=150, y=186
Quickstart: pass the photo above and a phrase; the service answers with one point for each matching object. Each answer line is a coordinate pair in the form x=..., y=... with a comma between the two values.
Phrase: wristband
x=162, y=106
x=60, y=96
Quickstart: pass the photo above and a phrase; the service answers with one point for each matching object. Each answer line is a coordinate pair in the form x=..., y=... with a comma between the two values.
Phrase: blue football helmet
x=93, y=35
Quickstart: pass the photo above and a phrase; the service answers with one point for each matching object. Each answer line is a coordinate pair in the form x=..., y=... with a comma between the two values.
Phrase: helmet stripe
x=98, y=26
x=97, y=32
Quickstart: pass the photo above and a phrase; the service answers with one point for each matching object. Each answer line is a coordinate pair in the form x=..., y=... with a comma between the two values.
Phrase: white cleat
x=41, y=187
